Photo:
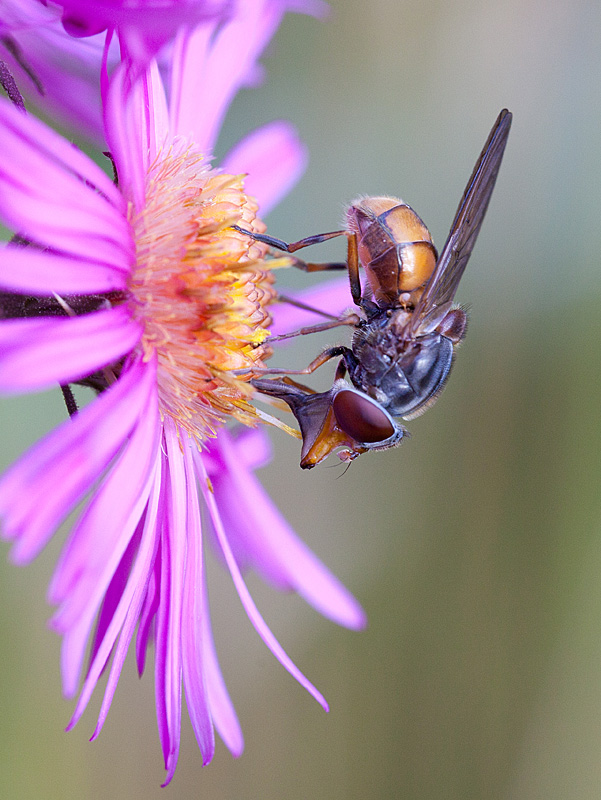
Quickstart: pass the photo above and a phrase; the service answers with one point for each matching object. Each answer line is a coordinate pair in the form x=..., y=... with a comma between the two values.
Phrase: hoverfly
x=402, y=348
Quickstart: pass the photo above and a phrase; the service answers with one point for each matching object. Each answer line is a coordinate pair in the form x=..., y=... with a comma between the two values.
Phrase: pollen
x=201, y=290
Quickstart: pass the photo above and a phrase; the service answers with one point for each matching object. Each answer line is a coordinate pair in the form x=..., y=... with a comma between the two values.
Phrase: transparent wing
x=468, y=220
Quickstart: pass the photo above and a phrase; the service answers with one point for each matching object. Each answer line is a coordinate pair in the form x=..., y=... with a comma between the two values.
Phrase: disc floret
x=201, y=289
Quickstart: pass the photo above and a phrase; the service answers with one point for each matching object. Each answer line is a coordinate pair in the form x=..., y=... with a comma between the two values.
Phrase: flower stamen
x=201, y=289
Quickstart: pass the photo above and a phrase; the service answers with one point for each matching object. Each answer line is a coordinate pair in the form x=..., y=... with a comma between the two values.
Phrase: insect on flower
x=404, y=339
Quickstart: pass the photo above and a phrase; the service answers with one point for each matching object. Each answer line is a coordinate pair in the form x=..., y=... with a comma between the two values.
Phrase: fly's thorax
x=375, y=348
x=418, y=375
x=378, y=342
x=395, y=247
x=404, y=375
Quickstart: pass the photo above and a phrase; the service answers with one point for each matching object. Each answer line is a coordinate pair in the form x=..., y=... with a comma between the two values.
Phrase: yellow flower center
x=201, y=290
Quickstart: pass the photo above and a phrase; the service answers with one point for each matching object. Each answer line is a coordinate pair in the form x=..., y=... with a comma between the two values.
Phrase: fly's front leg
x=351, y=265
x=291, y=247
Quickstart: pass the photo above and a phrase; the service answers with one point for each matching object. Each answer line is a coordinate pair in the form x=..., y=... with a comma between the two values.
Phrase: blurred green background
x=475, y=547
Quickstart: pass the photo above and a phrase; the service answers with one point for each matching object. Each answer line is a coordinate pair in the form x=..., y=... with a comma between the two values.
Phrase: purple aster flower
x=146, y=294
x=60, y=73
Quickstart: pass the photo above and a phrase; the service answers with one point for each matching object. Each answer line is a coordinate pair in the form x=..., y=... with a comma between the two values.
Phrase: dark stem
x=10, y=87
x=70, y=401
x=16, y=52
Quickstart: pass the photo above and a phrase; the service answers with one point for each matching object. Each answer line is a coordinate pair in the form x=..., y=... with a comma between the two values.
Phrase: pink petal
x=252, y=611
x=158, y=114
x=35, y=354
x=67, y=70
x=83, y=553
x=28, y=270
x=110, y=609
x=23, y=14
x=28, y=169
x=139, y=580
x=253, y=449
x=274, y=158
x=211, y=75
x=190, y=52
x=125, y=121
x=168, y=660
x=266, y=541
x=136, y=122
x=195, y=611
x=147, y=615
x=64, y=465
x=125, y=614
x=55, y=226
x=143, y=26
x=37, y=136
x=222, y=709
x=55, y=196
x=99, y=540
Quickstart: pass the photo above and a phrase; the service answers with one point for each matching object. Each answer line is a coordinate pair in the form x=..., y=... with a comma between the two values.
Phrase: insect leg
x=331, y=352
x=309, y=266
x=340, y=370
x=352, y=319
x=352, y=260
x=292, y=301
x=352, y=263
x=333, y=321
x=292, y=247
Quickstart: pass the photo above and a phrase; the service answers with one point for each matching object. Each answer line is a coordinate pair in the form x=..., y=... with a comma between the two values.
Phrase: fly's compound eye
x=343, y=417
x=362, y=418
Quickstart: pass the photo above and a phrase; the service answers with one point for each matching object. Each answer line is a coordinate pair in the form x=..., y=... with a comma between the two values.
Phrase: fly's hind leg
x=332, y=320
x=351, y=319
x=322, y=358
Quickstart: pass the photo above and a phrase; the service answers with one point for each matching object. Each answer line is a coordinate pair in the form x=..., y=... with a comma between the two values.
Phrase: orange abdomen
x=395, y=247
